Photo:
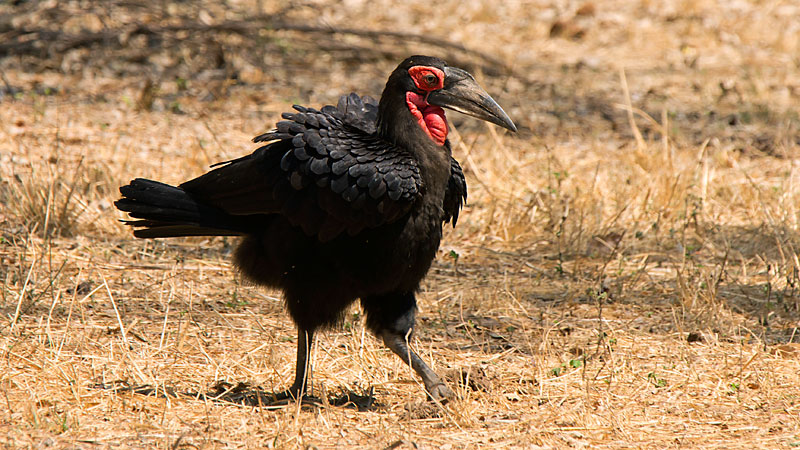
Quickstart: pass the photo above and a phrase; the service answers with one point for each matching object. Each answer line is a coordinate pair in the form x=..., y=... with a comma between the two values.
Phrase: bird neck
x=398, y=124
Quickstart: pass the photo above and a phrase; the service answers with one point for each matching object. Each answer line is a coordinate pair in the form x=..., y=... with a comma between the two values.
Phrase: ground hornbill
x=340, y=204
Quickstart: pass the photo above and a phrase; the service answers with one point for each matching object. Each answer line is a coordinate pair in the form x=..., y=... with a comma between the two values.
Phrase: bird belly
x=321, y=279
x=393, y=258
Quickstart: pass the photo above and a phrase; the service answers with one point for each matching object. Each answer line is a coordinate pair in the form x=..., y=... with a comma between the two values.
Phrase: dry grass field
x=625, y=274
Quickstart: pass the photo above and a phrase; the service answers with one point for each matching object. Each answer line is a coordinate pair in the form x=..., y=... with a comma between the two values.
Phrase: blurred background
x=714, y=66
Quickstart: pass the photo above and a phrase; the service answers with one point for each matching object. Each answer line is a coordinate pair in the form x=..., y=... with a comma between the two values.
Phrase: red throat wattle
x=429, y=117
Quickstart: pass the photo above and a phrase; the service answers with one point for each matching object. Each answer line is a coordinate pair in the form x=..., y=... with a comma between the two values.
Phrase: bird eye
x=431, y=79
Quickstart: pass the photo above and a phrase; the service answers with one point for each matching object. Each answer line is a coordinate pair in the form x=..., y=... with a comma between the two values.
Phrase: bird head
x=424, y=85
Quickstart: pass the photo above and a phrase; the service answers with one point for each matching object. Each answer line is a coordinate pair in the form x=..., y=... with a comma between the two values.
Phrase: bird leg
x=302, y=372
x=433, y=384
x=391, y=317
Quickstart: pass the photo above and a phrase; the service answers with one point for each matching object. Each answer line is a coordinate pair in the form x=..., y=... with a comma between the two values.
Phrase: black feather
x=456, y=195
x=319, y=166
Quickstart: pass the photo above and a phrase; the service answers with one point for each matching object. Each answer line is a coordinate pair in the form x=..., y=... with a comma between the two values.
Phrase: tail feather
x=169, y=211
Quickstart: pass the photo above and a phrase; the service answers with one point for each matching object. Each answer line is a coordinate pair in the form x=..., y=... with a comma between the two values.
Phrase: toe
x=440, y=393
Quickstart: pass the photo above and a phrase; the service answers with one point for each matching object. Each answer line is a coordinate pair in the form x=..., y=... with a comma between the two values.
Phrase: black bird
x=342, y=203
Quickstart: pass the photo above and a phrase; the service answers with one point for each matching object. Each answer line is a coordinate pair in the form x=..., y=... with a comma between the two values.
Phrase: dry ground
x=624, y=276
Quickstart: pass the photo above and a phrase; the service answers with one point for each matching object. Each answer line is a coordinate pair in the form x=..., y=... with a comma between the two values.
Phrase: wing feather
x=456, y=194
x=325, y=170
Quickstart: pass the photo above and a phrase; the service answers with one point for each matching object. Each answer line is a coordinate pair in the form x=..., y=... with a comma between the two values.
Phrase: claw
x=440, y=393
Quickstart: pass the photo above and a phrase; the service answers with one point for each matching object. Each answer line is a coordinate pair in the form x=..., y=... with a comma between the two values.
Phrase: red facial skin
x=420, y=76
x=430, y=118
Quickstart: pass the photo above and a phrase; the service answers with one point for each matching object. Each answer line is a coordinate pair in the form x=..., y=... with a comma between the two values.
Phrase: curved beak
x=463, y=94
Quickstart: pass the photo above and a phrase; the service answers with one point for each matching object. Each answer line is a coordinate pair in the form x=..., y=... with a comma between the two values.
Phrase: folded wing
x=326, y=171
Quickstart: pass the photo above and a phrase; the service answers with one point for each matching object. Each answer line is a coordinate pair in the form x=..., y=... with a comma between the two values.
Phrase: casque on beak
x=463, y=94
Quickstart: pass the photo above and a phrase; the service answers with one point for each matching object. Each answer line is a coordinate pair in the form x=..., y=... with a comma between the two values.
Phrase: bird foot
x=292, y=394
x=246, y=394
x=440, y=393
x=289, y=394
x=279, y=399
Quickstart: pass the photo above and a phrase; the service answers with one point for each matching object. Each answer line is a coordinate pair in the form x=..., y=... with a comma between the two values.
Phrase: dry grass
x=626, y=275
